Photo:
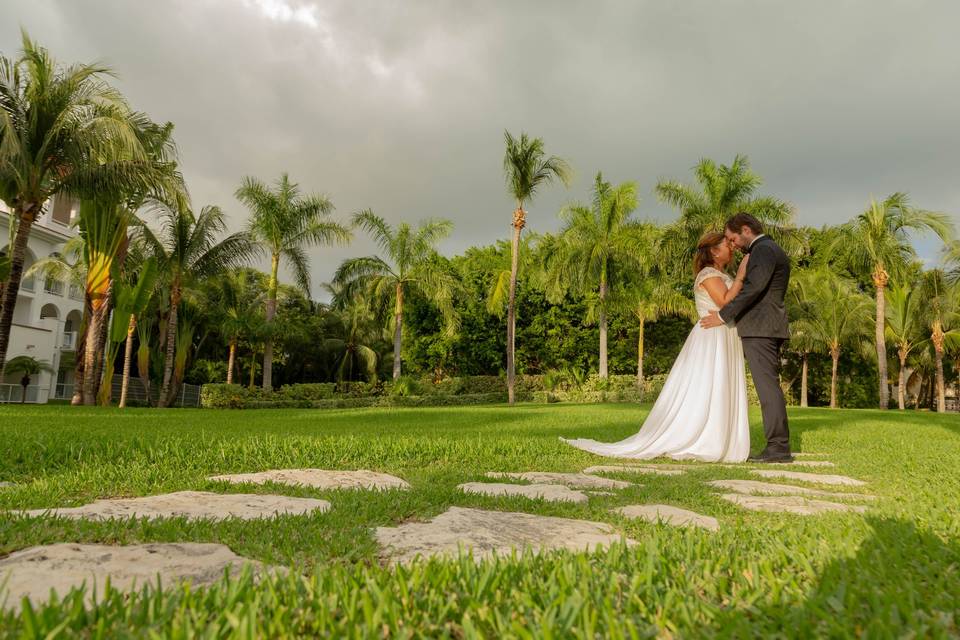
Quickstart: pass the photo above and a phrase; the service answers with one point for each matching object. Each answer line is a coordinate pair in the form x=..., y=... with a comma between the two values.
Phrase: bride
x=701, y=412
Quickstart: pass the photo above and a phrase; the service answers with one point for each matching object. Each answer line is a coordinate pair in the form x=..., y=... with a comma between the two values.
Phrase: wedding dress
x=701, y=413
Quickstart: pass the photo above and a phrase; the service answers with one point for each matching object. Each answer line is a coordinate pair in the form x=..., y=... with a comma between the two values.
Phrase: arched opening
x=49, y=311
x=71, y=329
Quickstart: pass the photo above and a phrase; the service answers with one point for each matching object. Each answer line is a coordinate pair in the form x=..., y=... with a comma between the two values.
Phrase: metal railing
x=76, y=292
x=54, y=287
x=12, y=392
x=189, y=395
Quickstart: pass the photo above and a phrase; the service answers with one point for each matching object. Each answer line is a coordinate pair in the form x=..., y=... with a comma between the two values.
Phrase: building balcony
x=53, y=287
x=69, y=341
x=76, y=293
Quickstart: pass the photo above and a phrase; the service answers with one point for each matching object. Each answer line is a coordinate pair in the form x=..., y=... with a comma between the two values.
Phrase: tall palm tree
x=62, y=129
x=238, y=294
x=283, y=223
x=801, y=301
x=527, y=168
x=356, y=321
x=904, y=328
x=597, y=249
x=187, y=249
x=411, y=262
x=131, y=302
x=943, y=321
x=721, y=191
x=876, y=243
x=835, y=317
x=29, y=367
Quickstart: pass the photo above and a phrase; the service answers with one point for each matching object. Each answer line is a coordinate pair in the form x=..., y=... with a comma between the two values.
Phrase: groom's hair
x=741, y=220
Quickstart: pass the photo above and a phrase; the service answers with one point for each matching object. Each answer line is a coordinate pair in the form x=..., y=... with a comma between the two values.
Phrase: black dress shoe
x=774, y=458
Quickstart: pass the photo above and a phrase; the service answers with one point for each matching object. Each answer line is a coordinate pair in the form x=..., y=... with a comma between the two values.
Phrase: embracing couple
x=701, y=412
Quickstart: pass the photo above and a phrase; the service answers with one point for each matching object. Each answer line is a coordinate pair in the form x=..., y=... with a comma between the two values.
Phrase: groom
x=761, y=319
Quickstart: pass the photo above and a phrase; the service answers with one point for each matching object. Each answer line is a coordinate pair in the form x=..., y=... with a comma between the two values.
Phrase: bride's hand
x=742, y=269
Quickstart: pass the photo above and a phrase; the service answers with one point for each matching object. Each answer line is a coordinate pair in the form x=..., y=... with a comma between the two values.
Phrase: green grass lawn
x=892, y=572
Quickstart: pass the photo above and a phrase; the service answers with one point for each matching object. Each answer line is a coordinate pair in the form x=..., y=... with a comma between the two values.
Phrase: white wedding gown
x=701, y=413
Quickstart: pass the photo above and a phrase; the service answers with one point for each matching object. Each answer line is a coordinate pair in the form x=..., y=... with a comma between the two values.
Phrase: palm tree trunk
x=231, y=360
x=835, y=355
x=271, y=312
x=519, y=221
x=397, y=330
x=937, y=338
x=127, y=358
x=640, y=384
x=901, y=382
x=803, y=380
x=24, y=216
x=880, y=279
x=79, y=352
x=100, y=359
x=253, y=367
x=603, y=326
x=164, y=399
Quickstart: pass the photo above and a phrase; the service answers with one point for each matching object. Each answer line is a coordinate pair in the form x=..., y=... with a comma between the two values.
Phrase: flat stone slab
x=670, y=515
x=33, y=572
x=811, y=463
x=808, y=477
x=548, y=492
x=491, y=533
x=624, y=468
x=789, y=504
x=193, y=505
x=5, y=484
x=810, y=454
x=575, y=480
x=755, y=487
x=319, y=479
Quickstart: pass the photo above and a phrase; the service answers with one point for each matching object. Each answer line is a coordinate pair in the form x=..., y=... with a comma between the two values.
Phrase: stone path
x=670, y=515
x=788, y=504
x=548, y=492
x=623, y=468
x=5, y=484
x=574, y=480
x=33, y=572
x=191, y=504
x=808, y=477
x=489, y=533
x=755, y=487
x=810, y=454
x=319, y=479
x=810, y=463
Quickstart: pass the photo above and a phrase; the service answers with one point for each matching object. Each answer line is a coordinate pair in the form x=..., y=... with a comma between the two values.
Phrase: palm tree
x=131, y=303
x=29, y=367
x=356, y=321
x=877, y=243
x=237, y=295
x=943, y=321
x=801, y=299
x=904, y=327
x=834, y=317
x=721, y=191
x=411, y=262
x=283, y=223
x=61, y=130
x=187, y=250
x=527, y=168
x=597, y=249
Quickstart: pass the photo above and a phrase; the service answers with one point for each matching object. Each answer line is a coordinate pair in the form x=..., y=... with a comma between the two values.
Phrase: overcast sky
x=401, y=106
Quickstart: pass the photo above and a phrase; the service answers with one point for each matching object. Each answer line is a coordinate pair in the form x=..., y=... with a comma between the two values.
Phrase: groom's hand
x=711, y=320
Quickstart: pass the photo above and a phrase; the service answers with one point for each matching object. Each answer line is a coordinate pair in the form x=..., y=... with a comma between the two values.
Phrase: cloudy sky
x=401, y=106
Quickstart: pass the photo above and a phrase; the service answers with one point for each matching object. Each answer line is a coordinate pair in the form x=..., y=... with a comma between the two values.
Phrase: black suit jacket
x=758, y=309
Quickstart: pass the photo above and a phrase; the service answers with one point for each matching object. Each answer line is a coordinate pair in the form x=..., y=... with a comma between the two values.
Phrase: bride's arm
x=718, y=290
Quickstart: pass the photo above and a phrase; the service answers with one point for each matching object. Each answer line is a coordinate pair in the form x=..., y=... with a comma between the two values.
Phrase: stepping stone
x=670, y=515
x=193, y=505
x=788, y=504
x=548, y=492
x=319, y=479
x=811, y=463
x=33, y=572
x=575, y=480
x=808, y=477
x=623, y=468
x=755, y=487
x=5, y=484
x=491, y=533
x=807, y=454
x=601, y=493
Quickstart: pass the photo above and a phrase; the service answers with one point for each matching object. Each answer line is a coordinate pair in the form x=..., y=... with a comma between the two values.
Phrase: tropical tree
x=527, y=168
x=131, y=303
x=411, y=262
x=801, y=301
x=188, y=250
x=353, y=349
x=721, y=191
x=834, y=317
x=237, y=295
x=943, y=321
x=876, y=244
x=283, y=223
x=904, y=328
x=62, y=130
x=29, y=367
x=597, y=250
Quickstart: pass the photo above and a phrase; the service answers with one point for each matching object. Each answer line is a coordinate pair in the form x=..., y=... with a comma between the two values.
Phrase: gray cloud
x=401, y=106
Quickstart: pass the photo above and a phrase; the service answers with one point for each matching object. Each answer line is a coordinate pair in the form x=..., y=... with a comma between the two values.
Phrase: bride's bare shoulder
x=707, y=273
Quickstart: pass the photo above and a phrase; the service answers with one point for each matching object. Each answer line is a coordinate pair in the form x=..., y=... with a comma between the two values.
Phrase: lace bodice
x=701, y=297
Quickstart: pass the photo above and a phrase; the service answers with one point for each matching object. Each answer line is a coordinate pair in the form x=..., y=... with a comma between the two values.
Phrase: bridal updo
x=703, y=257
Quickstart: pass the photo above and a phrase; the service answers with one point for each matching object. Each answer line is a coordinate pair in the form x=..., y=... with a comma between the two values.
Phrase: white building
x=48, y=313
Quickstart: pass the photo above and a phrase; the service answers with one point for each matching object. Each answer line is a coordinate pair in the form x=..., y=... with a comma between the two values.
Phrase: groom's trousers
x=763, y=356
